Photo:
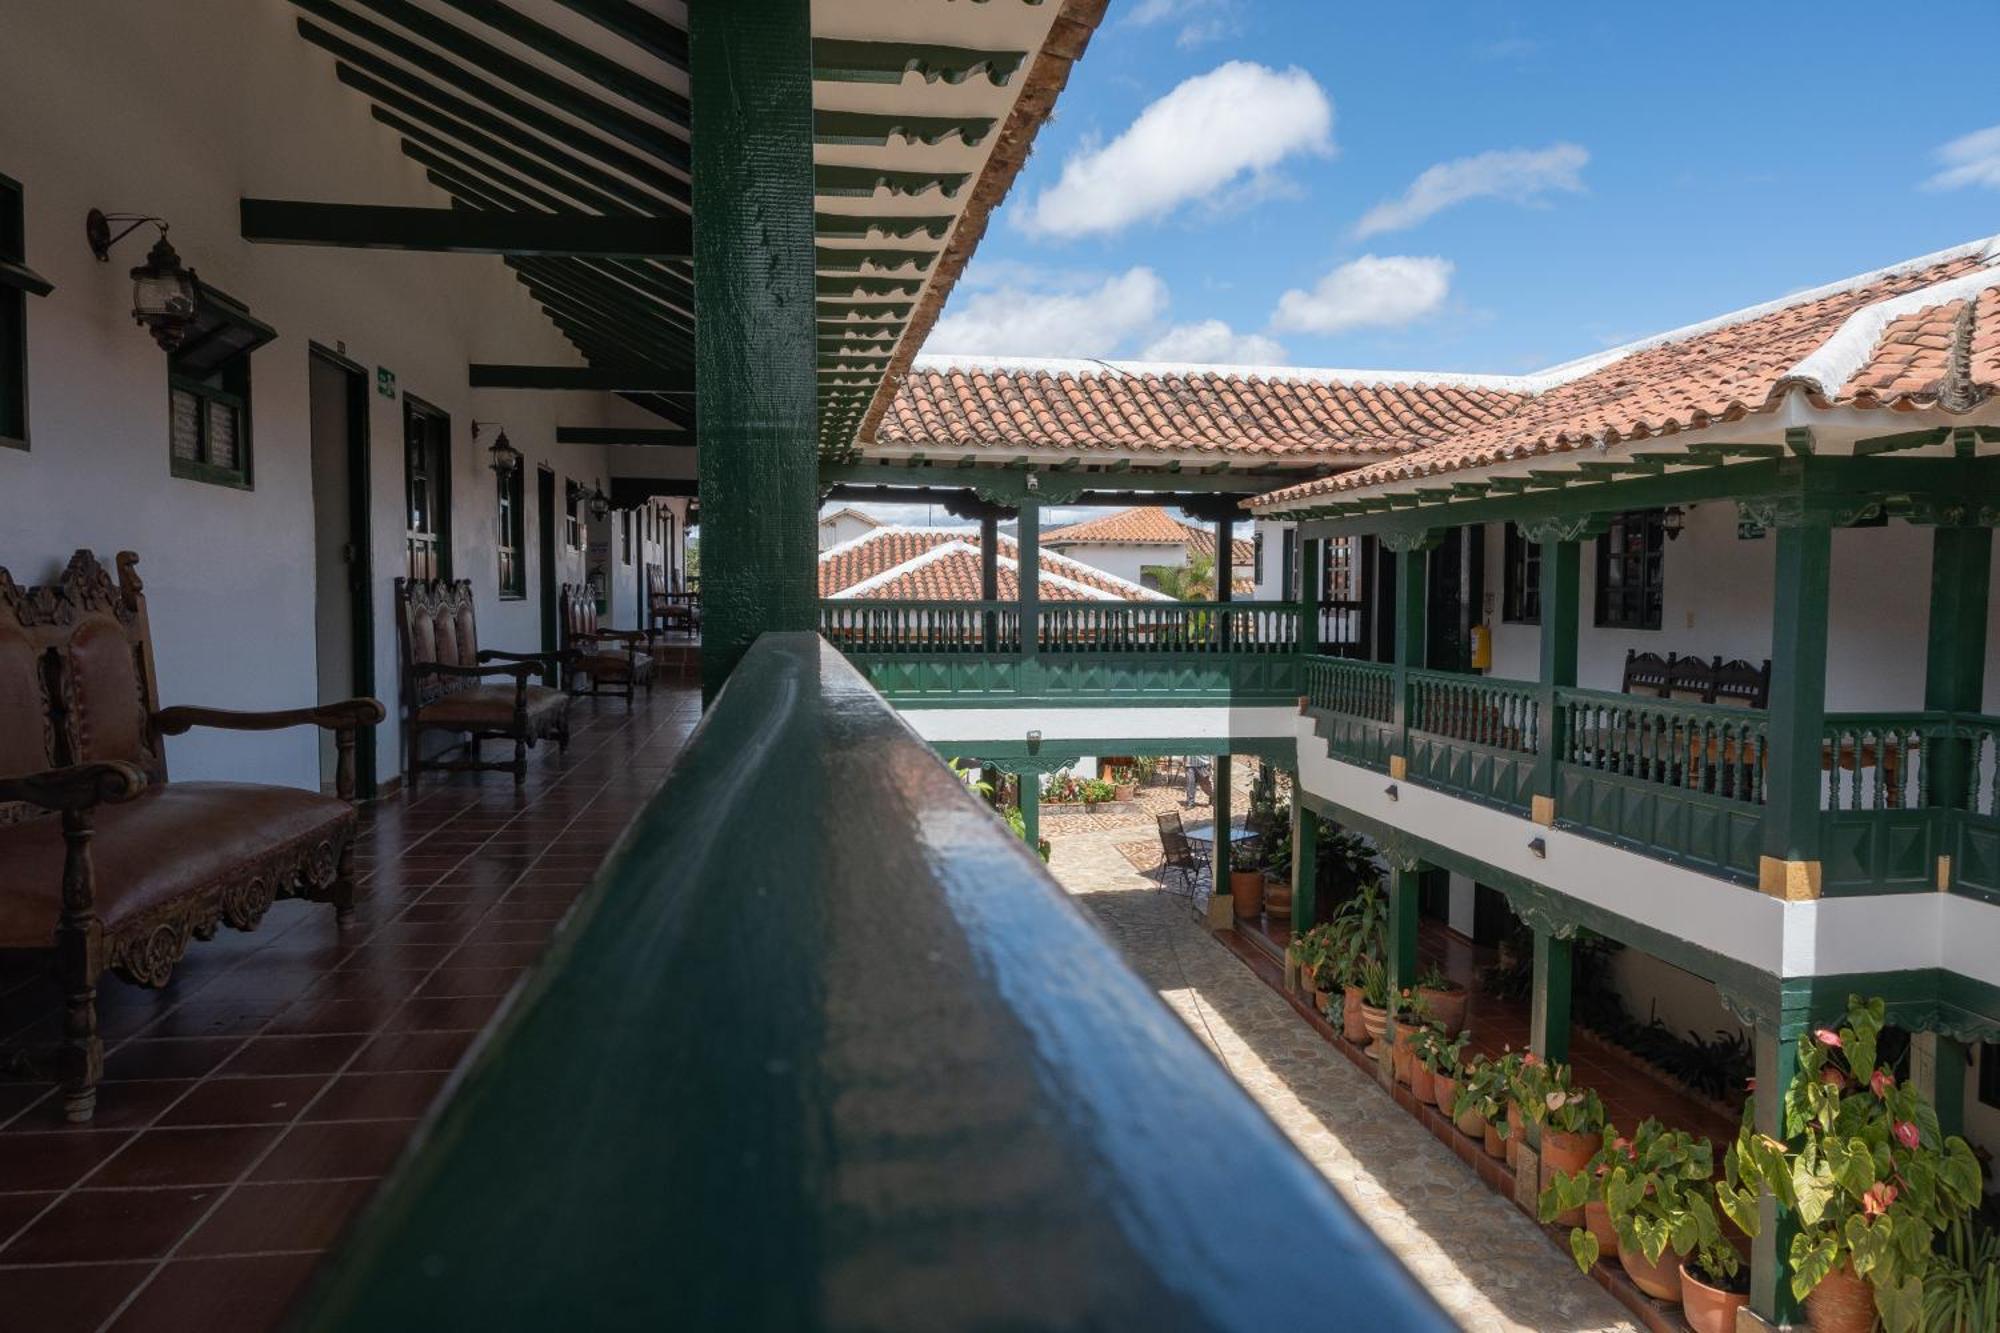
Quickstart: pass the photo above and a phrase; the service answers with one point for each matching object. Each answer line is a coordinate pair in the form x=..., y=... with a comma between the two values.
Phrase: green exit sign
x=385, y=381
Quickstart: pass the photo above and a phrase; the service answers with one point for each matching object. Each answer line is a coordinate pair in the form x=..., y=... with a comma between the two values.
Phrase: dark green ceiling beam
x=680, y=411
x=491, y=158
x=842, y=182
x=483, y=131
x=635, y=339
x=465, y=231
x=601, y=379
x=650, y=33
x=848, y=227
x=840, y=61
x=605, y=72
x=622, y=435
x=614, y=300
x=860, y=127
x=844, y=287
x=829, y=260
x=501, y=100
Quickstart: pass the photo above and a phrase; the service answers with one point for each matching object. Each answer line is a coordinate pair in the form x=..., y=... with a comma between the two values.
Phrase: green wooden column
x=1225, y=571
x=1030, y=791
x=1222, y=817
x=1028, y=577
x=1305, y=863
x=1404, y=878
x=1770, y=1265
x=1937, y=1067
x=989, y=573
x=756, y=353
x=1548, y=1014
x=1561, y=596
x=1309, y=583
x=1790, y=866
x=1955, y=656
x=1412, y=580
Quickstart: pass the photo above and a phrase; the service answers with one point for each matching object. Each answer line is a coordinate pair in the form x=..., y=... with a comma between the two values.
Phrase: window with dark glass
x=1630, y=561
x=1522, y=600
x=1989, y=1073
x=1256, y=557
x=573, y=516
x=208, y=391
x=427, y=489
x=513, y=573
x=625, y=538
x=1288, y=564
x=17, y=283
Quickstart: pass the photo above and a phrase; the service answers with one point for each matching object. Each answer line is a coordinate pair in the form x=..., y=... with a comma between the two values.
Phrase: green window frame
x=1521, y=566
x=426, y=490
x=513, y=570
x=1631, y=563
x=573, y=515
x=208, y=392
x=17, y=283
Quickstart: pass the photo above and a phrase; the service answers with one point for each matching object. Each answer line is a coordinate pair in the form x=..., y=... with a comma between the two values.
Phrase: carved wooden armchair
x=671, y=608
x=591, y=652
x=445, y=684
x=104, y=860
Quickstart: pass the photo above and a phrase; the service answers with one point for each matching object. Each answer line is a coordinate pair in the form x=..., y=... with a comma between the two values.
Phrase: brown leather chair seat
x=606, y=666
x=171, y=840
x=485, y=706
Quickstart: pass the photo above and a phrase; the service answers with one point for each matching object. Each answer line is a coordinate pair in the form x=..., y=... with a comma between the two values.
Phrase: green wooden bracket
x=833, y=260
x=854, y=227
x=861, y=127
x=841, y=61
x=844, y=182
x=1912, y=439
x=601, y=379
x=839, y=287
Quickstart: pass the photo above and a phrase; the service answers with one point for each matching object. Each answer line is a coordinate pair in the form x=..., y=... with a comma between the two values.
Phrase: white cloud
x=1518, y=175
x=1238, y=120
x=1386, y=292
x=1024, y=321
x=1211, y=340
x=1970, y=159
x=1201, y=20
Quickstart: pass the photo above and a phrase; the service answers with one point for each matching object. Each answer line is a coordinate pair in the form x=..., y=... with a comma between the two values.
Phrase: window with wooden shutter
x=1522, y=603
x=513, y=573
x=427, y=489
x=17, y=283
x=1631, y=559
x=208, y=391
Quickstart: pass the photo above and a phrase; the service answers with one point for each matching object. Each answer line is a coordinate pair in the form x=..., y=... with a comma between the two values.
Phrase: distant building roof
x=942, y=564
x=850, y=512
x=1147, y=525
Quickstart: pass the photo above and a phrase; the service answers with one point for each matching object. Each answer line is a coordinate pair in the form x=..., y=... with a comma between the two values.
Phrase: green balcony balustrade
x=1474, y=736
x=825, y=1047
x=1909, y=803
x=1169, y=627
x=862, y=626
x=1353, y=705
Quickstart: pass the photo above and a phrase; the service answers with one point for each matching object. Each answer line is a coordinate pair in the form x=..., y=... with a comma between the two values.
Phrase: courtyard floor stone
x=1485, y=1261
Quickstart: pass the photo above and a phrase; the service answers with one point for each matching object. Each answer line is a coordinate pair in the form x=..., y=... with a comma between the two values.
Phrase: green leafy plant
x=1433, y=978
x=1573, y=1189
x=1484, y=1089
x=1962, y=1281
x=1374, y=983
x=1361, y=933
x=1346, y=860
x=1096, y=791
x=1862, y=1166
x=1547, y=1096
x=1437, y=1052
x=1660, y=1195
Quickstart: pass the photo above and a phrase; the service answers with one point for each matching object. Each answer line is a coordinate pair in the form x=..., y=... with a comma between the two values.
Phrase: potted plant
x=1374, y=1002
x=1865, y=1172
x=1584, y=1190
x=1662, y=1204
x=1125, y=784
x=1448, y=1060
x=1436, y=1053
x=1410, y=1019
x=1481, y=1107
x=1444, y=999
x=1360, y=930
x=1572, y=1121
x=1962, y=1283
x=1274, y=855
x=1096, y=791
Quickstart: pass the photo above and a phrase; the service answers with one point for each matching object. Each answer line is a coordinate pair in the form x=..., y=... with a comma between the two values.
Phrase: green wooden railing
x=863, y=626
x=1169, y=627
x=1908, y=798
x=1715, y=751
x=1474, y=736
x=824, y=1047
x=1354, y=709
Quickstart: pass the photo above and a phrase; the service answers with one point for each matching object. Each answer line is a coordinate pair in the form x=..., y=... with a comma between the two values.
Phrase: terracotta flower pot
x=1662, y=1280
x=1517, y=1135
x=1495, y=1145
x=1278, y=897
x=1713, y=1309
x=1446, y=1007
x=1374, y=1022
x=1842, y=1303
x=1472, y=1125
x=1402, y=1059
x=1567, y=1154
x=1308, y=977
x=1323, y=1001
x=1351, y=1026
x=1124, y=791
x=1246, y=891
x=1597, y=1220
x=1444, y=1091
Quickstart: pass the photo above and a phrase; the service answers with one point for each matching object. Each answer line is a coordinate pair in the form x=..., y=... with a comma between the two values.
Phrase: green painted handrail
x=1359, y=689
x=1708, y=748
x=1169, y=627
x=825, y=1047
x=864, y=625
x=1479, y=710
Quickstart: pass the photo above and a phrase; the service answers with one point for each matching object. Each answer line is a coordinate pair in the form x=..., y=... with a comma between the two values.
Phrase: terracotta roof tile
x=888, y=549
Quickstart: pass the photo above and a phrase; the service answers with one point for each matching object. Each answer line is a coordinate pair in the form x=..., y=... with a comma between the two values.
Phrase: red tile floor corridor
x=254, y=1104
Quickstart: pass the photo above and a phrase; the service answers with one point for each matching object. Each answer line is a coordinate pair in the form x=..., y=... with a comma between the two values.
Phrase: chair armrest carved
x=345, y=715
x=518, y=670
x=502, y=655
x=76, y=788
x=627, y=635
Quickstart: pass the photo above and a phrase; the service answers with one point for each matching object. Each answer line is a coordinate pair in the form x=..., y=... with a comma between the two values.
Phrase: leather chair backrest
x=435, y=622
x=579, y=614
x=76, y=672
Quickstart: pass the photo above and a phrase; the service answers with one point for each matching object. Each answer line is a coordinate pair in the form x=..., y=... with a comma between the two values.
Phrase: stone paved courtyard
x=1485, y=1261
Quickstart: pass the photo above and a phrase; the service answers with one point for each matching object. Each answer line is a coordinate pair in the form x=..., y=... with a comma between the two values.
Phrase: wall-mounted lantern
x=1673, y=521
x=501, y=455
x=600, y=503
x=163, y=290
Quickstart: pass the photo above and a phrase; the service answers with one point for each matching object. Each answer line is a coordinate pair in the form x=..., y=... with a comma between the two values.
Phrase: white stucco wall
x=841, y=527
x=1127, y=562
x=179, y=110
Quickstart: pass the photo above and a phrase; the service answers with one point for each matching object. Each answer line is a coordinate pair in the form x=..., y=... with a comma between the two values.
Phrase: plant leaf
x=1813, y=1255
x=1901, y=1304
x=1583, y=1247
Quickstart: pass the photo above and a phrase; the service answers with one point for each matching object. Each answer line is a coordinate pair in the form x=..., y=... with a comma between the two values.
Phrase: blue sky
x=1597, y=173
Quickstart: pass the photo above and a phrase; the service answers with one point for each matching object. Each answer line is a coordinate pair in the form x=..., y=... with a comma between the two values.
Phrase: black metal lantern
x=163, y=290
x=503, y=457
x=1673, y=521
x=600, y=504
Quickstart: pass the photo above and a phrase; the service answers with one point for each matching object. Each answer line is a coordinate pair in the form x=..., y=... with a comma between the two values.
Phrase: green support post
x=1029, y=792
x=1955, y=656
x=1305, y=863
x=1548, y=1014
x=1412, y=579
x=1790, y=866
x=1309, y=583
x=1225, y=576
x=1028, y=576
x=756, y=357
x=1222, y=817
x=989, y=574
x=1562, y=594
x=1403, y=885
x=1771, y=1296
x=1937, y=1067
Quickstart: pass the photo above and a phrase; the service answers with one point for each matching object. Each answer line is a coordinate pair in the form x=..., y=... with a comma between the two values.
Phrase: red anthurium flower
x=1906, y=1133
x=1750, y=1083
x=1827, y=1037
x=1882, y=1082
x=1833, y=1076
x=1878, y=1199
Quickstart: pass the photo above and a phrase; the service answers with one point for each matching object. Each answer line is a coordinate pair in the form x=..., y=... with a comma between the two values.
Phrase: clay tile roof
x=1146, y=525
x=1136, y=407
x=942, y=564
x=1874, y=341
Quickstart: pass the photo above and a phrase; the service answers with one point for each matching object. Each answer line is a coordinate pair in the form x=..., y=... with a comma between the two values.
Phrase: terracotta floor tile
x=396, y=1051
x=239, y=1293
x=120, y=1106
x=448, y=982
x=223, y=1018
x=323, y=1054
x=454, y=1014
x=314, y=1016
x=260, y=1218
x=206, y=1156
x=17, y=1210
x=378, y=1096
x=273, y=1100
x=55, y=1161
x=110, y=1224
x=178, y=1057
x=335, y=1150
x=72, y=1298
